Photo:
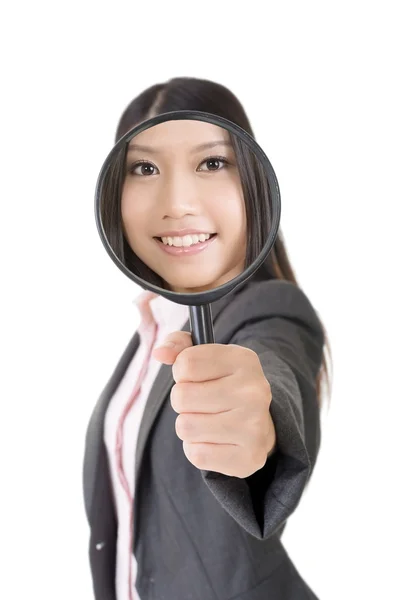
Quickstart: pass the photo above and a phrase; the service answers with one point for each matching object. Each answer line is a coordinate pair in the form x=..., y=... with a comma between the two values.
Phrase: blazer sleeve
x=277, y=321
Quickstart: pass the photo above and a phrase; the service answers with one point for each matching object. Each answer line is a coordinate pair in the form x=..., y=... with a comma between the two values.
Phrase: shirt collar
x=167, y=314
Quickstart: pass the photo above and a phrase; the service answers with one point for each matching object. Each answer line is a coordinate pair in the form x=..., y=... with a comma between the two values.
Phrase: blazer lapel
x=94, y=437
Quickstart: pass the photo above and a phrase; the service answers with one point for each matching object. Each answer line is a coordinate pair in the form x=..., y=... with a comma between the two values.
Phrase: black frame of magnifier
x=198, y=302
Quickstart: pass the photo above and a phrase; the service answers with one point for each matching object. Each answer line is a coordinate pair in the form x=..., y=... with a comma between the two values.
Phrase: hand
x=222, y=398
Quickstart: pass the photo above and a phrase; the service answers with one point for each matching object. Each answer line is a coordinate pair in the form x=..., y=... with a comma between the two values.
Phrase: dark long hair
x=185, y=93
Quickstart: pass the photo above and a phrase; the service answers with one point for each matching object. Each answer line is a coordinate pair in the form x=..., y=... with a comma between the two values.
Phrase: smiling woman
x=172, y=189
x=194, y=506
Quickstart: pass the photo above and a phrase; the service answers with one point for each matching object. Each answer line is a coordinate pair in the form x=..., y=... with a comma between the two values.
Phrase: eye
x=143, y=168
x=213, y=163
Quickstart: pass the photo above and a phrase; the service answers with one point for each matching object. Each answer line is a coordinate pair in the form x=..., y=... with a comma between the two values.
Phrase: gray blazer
x=200, y=535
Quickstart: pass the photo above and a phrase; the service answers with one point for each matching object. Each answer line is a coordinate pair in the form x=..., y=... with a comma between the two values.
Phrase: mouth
x=186, y=241
x=186, y=245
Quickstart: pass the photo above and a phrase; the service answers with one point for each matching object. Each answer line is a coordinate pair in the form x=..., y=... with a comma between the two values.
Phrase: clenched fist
x=222, y=398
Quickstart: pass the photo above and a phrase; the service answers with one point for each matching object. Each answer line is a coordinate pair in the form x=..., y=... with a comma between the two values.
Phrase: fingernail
x=166, y=345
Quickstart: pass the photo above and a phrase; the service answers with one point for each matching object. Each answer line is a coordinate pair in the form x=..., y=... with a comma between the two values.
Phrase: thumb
x=171, y=346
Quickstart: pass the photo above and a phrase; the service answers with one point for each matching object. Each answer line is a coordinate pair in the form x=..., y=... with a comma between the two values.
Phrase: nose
x=179, y=195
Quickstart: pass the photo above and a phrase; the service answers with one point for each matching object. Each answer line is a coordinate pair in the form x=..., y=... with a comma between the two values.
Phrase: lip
x=188, y=250
x=182, y=232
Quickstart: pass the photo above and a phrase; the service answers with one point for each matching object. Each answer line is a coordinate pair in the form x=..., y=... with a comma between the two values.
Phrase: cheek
x=132, y=214
x=127, y=218
x=126, y=204
x=235, y=213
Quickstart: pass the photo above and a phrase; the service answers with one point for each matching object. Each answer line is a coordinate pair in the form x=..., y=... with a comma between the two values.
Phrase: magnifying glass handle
x=201, y=324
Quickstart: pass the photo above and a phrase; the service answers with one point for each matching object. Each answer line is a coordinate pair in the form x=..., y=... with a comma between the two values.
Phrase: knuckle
x=183, y=365
x=177, y=397
x=258, y=458
x=183, y=426
x=267, y=387
x=249, y=354
x=257, y=429
x=243, y=472
x=197, y=455
x=259, y=389
x=180, y=427
x=254, y=431
x=246, y=360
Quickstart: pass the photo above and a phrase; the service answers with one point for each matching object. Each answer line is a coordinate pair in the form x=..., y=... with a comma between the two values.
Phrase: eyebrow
x=200, y=147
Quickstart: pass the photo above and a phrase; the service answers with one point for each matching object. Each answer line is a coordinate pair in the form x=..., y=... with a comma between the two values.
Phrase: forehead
x=183, y=134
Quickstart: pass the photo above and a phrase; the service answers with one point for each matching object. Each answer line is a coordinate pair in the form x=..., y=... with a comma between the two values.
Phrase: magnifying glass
x=187, y=205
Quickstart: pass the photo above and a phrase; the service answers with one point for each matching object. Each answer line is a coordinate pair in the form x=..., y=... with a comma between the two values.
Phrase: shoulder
x=263, y=300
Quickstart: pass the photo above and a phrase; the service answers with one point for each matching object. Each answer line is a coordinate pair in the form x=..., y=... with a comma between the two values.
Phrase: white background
x=319, y=81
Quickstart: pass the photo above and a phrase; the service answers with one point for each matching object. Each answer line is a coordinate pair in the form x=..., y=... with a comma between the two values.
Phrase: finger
x=210, y=429
x=209, y=361
x=205, y=397
x=223, y=458
x=171, y=346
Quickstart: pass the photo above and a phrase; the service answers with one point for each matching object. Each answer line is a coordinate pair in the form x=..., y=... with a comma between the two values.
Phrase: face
x=182, y=205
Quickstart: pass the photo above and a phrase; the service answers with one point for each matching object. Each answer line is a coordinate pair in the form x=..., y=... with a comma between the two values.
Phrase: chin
x=191, y=286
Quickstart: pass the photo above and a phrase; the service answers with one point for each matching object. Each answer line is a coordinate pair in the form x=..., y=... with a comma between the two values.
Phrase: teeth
x=187, y=240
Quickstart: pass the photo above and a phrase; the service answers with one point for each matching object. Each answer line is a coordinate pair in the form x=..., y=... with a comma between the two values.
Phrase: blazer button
x=100, y=545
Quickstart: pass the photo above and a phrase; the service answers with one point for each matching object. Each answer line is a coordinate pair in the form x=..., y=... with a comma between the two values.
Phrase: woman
x=193, y=467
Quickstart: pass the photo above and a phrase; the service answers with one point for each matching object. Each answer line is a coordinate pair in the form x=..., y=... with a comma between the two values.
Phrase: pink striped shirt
x=159, y=317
